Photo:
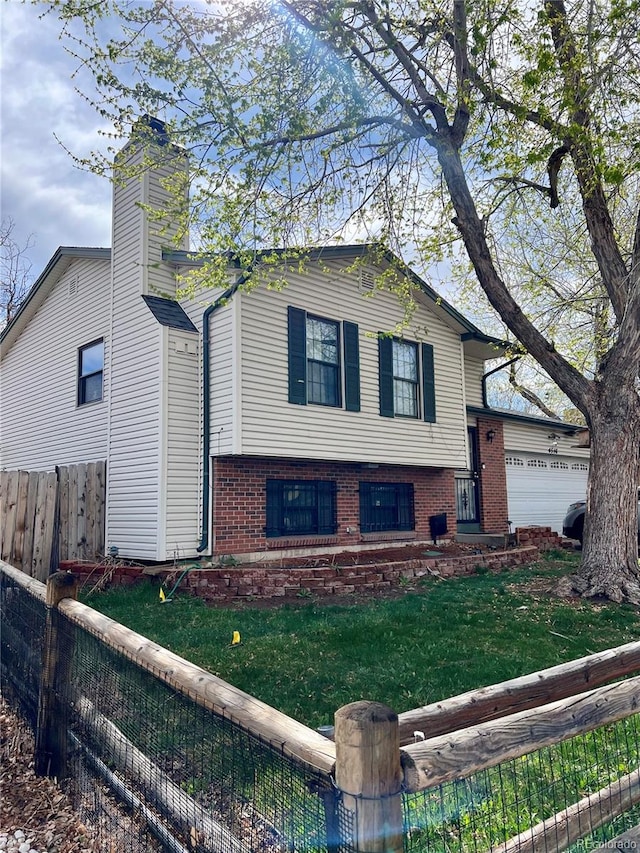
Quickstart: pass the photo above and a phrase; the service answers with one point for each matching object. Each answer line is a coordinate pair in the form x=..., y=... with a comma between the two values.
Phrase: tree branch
x=530, y=395
x=594, y=204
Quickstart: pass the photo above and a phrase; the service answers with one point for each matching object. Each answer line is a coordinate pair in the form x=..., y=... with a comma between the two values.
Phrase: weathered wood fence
x=47, y=516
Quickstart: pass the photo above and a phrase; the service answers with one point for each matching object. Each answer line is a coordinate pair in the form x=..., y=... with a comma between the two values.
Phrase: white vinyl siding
x=272, y=426
x=223, y=387
x=474, y=370
x=531, y=438
x=183, y=484
x=136, y=461
x=41, y=424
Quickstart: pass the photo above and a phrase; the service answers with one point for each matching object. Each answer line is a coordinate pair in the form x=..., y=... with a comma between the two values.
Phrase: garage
x=541, y=487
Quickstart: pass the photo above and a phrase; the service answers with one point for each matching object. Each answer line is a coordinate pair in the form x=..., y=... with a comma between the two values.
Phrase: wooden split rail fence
x=46, y=516
x=374, y=760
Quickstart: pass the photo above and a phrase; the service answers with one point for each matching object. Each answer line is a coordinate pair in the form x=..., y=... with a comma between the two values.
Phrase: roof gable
x=44, y=284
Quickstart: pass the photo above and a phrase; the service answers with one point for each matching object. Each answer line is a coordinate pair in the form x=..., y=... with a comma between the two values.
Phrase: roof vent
x=367, y=280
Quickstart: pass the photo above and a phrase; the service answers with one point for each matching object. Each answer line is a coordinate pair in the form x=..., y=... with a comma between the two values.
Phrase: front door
x=468, y=491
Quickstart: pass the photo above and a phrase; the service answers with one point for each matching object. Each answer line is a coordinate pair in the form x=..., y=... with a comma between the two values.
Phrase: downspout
x=206, y=421
x=206, y=406
x=490, y=373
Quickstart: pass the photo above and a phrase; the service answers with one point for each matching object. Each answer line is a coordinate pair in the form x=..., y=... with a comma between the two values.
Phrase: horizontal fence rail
x=458, y=754
x=520, y=694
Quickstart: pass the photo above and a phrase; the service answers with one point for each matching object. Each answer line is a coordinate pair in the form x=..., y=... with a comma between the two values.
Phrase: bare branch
x=530, y=395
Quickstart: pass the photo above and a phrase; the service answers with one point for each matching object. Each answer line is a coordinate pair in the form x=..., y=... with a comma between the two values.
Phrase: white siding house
x=242, y=421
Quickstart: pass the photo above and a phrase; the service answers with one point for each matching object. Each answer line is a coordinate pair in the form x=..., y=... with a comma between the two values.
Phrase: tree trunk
x=610, y=546
x=610, y=402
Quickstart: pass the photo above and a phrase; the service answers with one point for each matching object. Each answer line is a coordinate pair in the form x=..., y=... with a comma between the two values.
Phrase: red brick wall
x=267, y=581
x=493, y=477
x=239, y=501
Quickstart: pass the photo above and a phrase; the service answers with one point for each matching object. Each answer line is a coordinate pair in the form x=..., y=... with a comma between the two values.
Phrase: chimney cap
x=151, y=128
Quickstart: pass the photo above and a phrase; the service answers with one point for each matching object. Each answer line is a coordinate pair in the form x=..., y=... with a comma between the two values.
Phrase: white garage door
x=540, y=488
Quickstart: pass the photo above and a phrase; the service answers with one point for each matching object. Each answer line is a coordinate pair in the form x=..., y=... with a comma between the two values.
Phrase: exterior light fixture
x=491, y=434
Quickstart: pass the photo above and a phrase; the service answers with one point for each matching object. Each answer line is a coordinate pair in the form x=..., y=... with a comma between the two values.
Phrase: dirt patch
x=376, y=556
x=36, y=806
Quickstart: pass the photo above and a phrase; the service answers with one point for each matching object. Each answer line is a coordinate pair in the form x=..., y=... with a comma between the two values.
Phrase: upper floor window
x=407, y=380
x=324, y=361
x=90, y=372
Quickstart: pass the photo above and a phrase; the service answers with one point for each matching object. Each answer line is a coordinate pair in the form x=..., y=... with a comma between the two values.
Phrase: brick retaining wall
x=255, y=581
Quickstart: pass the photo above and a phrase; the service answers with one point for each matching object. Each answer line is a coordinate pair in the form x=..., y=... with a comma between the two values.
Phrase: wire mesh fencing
x=573, y=796
x=148, y=768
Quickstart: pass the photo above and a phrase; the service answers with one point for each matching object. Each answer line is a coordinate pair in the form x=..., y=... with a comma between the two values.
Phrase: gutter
x=206, y=405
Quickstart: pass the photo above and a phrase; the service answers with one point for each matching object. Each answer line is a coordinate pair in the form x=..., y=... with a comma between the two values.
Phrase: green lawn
x=436, y=640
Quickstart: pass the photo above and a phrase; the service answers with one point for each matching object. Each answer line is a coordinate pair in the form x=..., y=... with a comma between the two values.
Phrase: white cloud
x=43, y=191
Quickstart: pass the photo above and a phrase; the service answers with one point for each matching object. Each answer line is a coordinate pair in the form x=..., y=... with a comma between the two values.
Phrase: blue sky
x=42, y=190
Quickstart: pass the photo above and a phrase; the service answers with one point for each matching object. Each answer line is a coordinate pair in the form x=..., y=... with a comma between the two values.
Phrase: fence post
x=369, y=776
x=51, y=730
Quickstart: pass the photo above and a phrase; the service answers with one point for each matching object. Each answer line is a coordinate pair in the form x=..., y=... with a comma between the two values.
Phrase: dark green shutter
x=428, y=384
x=385, y=376
x=297, y=356
x=351, y=367
x=274, y=508
x=327, y=515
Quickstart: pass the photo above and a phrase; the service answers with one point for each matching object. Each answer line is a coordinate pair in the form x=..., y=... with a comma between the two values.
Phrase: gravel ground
x=35, y=815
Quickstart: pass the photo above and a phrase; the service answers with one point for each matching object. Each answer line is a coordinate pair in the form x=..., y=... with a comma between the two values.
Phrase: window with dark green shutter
x=406, y=381
x=316, y=358
x=301, y=507
x=385, y=372
x=386, y=506
x=351, y=366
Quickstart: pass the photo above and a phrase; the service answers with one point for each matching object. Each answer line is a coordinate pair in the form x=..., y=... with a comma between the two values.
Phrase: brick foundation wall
x=260, y=582
x=239, y=502
x=543, y=538
x=493, y=478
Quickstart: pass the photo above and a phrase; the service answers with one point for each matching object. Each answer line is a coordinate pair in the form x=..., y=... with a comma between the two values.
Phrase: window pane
x=322, y=384
x=323, y=362
x=91, y=388
x=405, y=361
x=322, y=340
x=405, y=398
x=92, y=358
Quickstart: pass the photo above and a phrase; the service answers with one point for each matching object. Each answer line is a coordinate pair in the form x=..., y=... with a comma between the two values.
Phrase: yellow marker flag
x=236, y=638
x=162, y=595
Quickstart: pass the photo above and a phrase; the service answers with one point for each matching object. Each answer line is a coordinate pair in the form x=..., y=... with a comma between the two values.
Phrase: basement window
x=299, y=507
x=90, y=372
x=386, y=506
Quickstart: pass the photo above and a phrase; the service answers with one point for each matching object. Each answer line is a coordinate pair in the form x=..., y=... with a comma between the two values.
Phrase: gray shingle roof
x=169, y=313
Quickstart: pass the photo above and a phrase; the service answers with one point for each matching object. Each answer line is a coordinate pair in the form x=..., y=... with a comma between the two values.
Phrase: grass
x=442, y=638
